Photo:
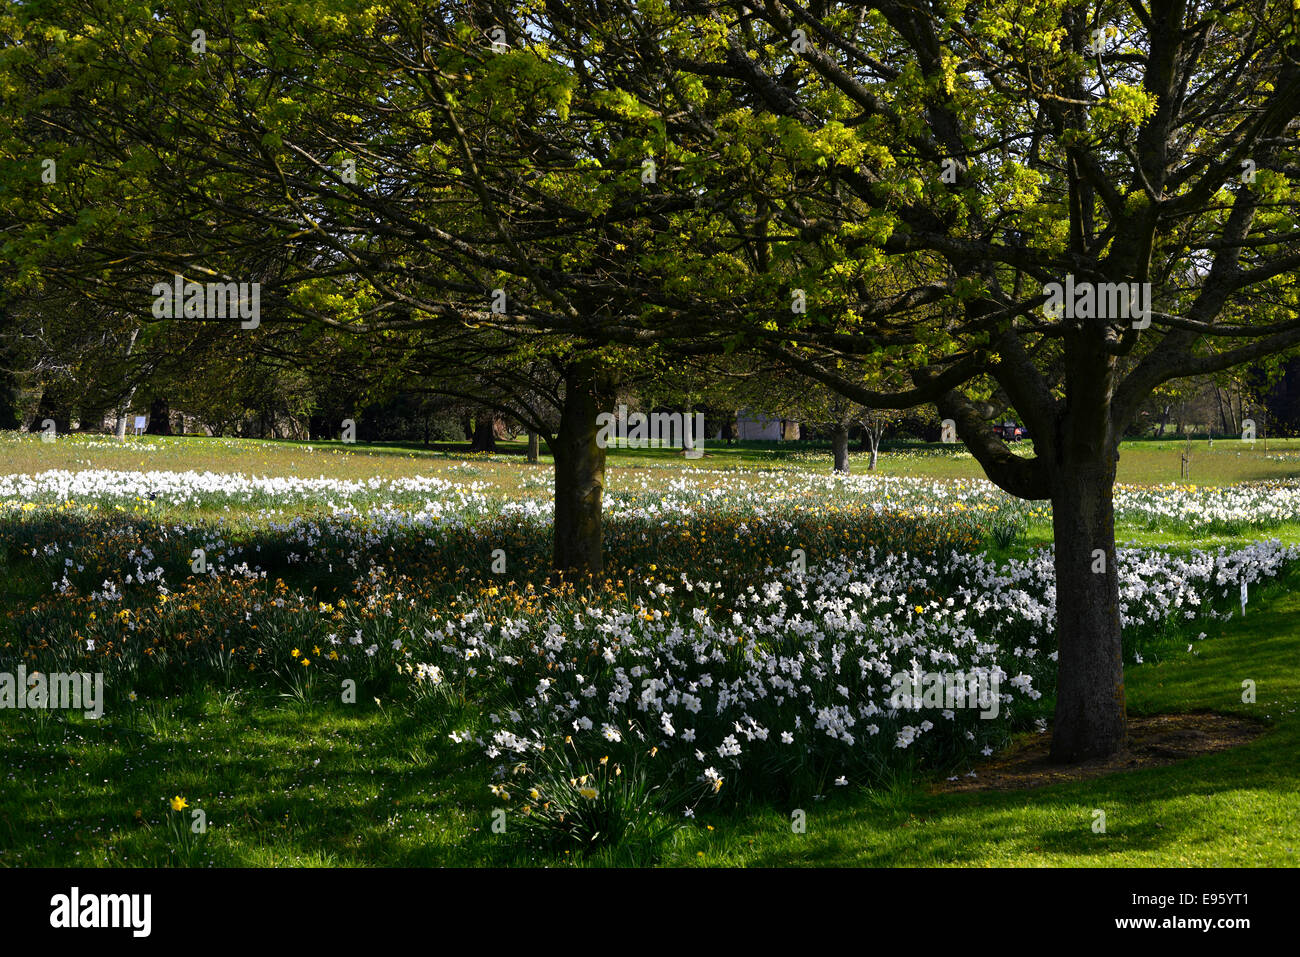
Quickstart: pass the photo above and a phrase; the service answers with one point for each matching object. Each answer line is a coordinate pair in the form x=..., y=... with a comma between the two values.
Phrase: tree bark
x=484, y=434
x=1090, y=710
x=534, y=448
x=840, y=446
x=579, y=473
x=10, y=394
x=1223, y=413
x=10, y=388
x=1164, y=422
x=122, y=411
x=1076, y=444
x=873, y=429
x=124, y=406
x=160, y=420
x=55, y=404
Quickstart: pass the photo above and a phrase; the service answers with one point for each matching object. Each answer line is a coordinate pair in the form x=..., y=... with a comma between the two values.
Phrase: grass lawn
x=1142, y=462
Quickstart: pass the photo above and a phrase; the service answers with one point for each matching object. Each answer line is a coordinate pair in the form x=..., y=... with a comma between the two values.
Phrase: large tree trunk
x=123, y=411
x=840, y=446
x=534, y=448
x=1223, y=413
x=160, y=418
x=10, y=388
x=579, y=473
x=484, y=434
x=1091, y=720
x=1076, y=441
x=10, y=396
x=55, y=405
x=124, y=406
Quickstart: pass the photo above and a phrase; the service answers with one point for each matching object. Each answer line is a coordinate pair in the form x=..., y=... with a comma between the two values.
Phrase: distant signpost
x=139, y=424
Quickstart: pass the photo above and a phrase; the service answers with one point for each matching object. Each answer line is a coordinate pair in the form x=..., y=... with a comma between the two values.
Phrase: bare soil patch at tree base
x=1154, y=740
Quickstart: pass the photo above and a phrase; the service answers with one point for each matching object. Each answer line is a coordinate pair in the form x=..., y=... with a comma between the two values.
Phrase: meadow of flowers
x=742, y=644
x=1192, y=508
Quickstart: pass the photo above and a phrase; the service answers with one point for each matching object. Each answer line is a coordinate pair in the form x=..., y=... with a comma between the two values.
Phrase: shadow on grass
x=298, y=784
